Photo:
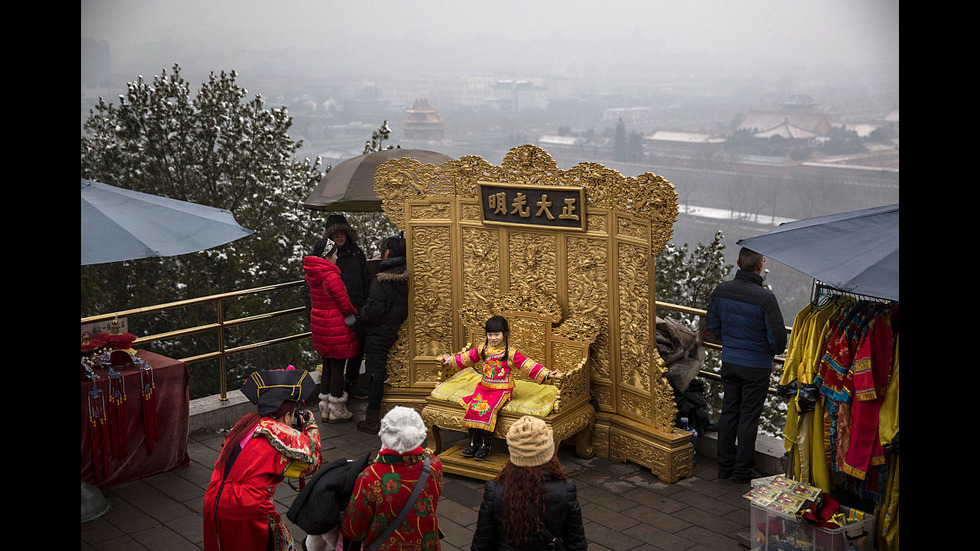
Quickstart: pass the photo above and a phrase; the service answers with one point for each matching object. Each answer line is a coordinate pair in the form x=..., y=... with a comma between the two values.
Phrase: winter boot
x=371, y=423
x=485, y=448
x=324, y=407
x=476, y=440
x=337, y=409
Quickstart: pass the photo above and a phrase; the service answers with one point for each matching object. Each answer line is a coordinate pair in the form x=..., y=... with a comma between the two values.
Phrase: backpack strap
x=404, y=512
x=554, y=542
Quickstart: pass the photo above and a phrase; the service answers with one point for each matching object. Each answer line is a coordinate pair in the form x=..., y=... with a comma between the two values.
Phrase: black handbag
x=554, y=542
x=320, y=505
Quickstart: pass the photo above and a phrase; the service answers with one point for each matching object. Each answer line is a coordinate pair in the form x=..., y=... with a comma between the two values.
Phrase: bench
x=537, y=330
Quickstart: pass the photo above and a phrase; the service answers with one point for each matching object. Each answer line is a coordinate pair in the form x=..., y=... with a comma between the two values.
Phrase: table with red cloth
x=137, y=460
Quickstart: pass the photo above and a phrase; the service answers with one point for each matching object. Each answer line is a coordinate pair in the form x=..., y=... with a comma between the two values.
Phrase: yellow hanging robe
x=804, y=432
x=887, y=429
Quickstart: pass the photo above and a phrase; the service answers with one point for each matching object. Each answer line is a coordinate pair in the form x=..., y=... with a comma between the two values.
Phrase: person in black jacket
x=532, y=501
x=382, y=316
x=354, y=272
x=745, y=317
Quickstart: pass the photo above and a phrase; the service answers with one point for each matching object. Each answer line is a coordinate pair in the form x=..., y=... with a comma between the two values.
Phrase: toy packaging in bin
x=789, y=515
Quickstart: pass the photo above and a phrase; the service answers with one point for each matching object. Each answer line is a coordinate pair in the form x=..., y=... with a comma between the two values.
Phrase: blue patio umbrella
x=120, y=224
x=855, y=251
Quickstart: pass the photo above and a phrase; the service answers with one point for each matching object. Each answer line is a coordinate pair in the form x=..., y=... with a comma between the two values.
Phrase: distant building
x=787, y=130
x=423, y=123
x=681, y=142
x=892, y=117
x=789, y=123
x=549, y=140
x=519, y=94
x=631, y=116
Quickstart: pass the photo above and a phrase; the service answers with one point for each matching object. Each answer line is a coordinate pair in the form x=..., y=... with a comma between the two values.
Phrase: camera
x=299, y=417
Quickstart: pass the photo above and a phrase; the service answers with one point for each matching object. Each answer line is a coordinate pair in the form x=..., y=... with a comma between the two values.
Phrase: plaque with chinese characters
x=556, y=207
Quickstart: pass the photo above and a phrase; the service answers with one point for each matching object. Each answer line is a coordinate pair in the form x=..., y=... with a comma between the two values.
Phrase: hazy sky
x=427, y=34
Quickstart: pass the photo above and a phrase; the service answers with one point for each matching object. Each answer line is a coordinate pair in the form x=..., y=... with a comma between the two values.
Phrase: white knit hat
x=402, y=429
x=530, y=442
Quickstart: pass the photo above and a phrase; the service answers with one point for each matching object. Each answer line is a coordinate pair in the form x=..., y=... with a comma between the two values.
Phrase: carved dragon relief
x=628, y=221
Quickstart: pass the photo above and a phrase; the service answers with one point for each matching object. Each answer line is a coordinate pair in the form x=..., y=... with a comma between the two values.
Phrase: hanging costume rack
x=841, y=378
x=821, y=289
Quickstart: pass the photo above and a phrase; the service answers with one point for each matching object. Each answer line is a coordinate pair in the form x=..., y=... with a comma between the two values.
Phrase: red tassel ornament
x=98, y=433
x=119, y=419
x=148, y=394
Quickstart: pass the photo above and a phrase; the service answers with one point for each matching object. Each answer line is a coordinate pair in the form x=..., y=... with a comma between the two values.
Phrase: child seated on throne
x=496, y=385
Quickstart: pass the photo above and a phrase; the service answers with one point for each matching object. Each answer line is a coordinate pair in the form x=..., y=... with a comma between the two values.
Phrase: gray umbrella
x=856, y=251
x=349, y=186
x=120, y=224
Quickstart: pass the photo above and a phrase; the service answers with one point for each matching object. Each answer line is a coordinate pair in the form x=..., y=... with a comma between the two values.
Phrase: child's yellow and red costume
x=497, y=382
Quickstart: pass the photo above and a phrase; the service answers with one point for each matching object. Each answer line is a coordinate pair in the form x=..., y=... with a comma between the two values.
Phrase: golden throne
x=522, y=239
x=563, y=404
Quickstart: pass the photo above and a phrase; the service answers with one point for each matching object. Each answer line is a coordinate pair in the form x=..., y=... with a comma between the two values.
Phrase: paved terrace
x=624, y=506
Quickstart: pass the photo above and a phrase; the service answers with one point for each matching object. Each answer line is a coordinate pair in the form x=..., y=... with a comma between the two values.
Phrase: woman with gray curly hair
x=386, y=490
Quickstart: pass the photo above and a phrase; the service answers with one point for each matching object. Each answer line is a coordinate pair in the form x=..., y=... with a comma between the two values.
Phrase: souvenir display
x=149, y=401
x=91, y=346
x=116, y=339
x=98, y=432
x=789, y=515
x=104, y=359
x=118, y=420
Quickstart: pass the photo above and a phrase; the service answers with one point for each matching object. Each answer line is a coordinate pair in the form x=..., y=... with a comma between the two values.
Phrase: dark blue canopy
x=853, y=251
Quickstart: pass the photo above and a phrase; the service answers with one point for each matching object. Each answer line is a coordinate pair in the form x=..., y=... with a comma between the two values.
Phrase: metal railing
x=699, y=312
x=221, y=324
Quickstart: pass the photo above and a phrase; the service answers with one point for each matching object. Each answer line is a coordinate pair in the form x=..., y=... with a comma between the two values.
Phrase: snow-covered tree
x=378, y=138
x=215, y=147
x=688, y=280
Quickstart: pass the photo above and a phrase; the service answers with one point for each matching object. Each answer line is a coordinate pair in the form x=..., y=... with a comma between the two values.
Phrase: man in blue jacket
x=744, y=316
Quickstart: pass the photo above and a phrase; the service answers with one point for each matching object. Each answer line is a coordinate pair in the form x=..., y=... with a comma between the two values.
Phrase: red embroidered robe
x=379, y=495
x=238, y=511
x=497, y=384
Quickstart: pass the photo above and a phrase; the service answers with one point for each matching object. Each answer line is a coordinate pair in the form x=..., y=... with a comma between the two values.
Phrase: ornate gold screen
x=603, y=270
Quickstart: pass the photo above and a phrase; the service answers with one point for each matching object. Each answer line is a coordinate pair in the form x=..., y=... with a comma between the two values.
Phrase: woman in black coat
x=532, y=502
x=382, y=316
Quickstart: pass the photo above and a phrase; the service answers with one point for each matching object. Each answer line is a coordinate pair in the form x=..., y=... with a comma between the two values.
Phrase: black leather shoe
x=476, y=440
x=747, y=478
x=470, y=451
x=483, y=453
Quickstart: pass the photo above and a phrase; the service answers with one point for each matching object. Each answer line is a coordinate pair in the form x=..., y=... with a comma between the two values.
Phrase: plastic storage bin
x=773, y=531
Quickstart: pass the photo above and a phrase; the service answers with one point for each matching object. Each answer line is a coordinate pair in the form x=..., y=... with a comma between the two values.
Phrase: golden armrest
x=571, y=384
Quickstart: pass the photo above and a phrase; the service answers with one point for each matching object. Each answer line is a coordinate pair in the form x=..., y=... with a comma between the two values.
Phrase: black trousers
x=375, y=365
x=353, y=367
x=332, y=381
x=745, y=391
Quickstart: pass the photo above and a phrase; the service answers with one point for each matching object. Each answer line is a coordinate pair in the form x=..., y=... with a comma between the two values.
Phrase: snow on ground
x=725, y=214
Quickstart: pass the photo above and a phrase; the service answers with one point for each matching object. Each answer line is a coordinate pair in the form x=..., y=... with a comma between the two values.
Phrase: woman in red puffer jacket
x=333, y=339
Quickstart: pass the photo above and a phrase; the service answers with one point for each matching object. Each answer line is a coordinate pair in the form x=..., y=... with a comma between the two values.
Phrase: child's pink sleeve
x=467, y=359
x=534, y=371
